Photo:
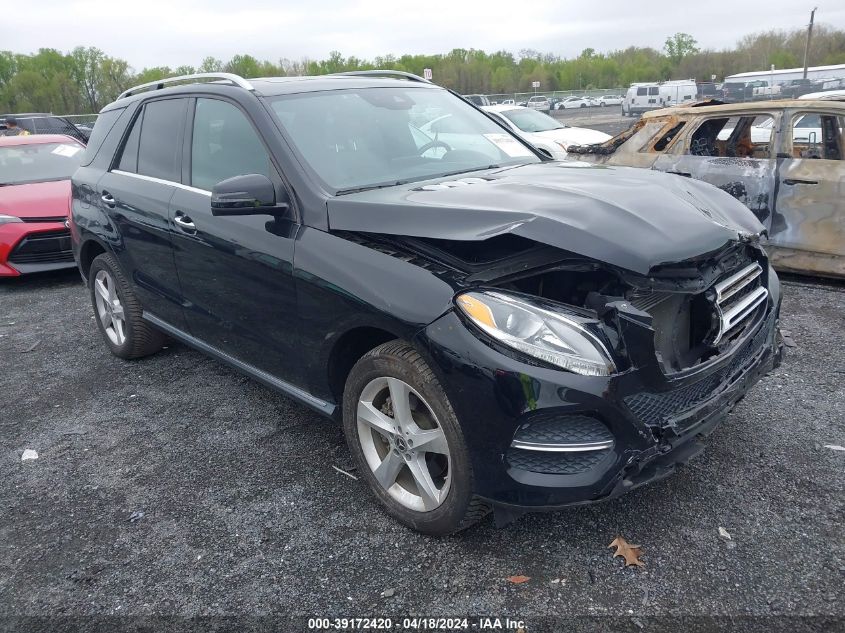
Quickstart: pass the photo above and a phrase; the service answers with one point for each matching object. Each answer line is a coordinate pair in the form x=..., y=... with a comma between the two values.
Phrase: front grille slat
x=727, y=288
x=55, y=218
x=48, y=247
x=737, y=299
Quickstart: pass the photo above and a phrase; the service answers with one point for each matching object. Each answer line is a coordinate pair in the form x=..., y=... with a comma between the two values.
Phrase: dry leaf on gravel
x=518, y=580
x=631, y=553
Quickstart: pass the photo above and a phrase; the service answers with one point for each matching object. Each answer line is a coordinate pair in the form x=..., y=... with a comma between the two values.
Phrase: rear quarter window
x=105, y=123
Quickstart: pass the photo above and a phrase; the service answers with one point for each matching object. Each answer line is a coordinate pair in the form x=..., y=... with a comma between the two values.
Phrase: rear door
x=236, y=272
x=135, y=194
x=734, y=153
x=808, y=230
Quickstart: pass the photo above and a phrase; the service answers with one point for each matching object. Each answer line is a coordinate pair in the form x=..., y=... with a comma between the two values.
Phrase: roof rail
x=382, y=73
x=159, y=84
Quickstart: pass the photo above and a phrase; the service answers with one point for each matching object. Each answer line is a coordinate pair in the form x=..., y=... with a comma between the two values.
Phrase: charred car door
x=808, y=228
x=734, y=153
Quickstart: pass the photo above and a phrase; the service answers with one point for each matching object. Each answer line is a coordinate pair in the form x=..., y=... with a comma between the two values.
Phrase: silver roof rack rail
x=400, y=74
x=161, y=83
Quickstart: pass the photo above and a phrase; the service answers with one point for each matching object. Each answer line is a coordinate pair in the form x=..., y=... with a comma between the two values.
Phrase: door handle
x=108, y=199
x=184, y=222
x=798, y=181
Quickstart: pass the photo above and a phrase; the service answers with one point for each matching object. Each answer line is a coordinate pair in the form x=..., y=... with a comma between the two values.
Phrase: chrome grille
x=736, y=299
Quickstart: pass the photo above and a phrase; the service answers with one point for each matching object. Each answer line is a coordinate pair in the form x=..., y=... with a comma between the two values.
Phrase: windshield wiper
x=385, y=185
x=461, y=171
x=396, y=183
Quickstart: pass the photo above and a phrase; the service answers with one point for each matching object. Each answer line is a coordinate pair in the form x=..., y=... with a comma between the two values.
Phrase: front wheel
x=407, y=442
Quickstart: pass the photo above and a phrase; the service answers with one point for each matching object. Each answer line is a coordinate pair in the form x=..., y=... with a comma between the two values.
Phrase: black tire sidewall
x=105, y=262
x=446, y=518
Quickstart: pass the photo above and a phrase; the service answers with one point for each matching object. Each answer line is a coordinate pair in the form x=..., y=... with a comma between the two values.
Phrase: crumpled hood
x=632, y=218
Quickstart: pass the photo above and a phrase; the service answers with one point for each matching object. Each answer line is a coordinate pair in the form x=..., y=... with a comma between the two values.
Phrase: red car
x=35, y=173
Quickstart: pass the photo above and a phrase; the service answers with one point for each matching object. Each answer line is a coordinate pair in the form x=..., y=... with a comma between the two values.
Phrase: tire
x=127, y=337
x=370, y=423
x=583, y=105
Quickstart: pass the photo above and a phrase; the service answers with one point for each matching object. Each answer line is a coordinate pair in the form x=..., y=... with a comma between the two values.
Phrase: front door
x=808, y=230
x=236, y=273
x=733, y=153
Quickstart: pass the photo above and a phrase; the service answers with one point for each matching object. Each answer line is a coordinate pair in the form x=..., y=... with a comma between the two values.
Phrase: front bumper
x=656, y=422
x=30, y=247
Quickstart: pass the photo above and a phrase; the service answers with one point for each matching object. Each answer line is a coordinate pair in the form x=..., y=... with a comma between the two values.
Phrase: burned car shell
x=800, y=200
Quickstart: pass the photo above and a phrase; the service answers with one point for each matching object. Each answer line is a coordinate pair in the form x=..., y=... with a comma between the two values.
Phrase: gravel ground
x=174, y=486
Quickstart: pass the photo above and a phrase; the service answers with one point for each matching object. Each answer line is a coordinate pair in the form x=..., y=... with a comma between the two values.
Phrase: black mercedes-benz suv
x=494, y=330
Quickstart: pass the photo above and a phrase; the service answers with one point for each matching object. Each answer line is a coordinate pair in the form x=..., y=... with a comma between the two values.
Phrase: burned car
x=785, y=160
x=493, y=329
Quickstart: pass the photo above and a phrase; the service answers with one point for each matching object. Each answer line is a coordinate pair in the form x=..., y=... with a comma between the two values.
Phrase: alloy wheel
x=404, y=444
x=109, y=309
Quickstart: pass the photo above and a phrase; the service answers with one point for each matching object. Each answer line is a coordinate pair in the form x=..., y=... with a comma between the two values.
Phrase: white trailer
x=836, y=71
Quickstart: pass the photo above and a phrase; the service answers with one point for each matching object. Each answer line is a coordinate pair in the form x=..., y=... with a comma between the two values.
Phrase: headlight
x=8, y=219
x=553, y=337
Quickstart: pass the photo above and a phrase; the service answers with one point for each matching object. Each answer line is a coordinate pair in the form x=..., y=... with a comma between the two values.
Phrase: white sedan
x=573, y=102
x=544, y=132
x=609, y=100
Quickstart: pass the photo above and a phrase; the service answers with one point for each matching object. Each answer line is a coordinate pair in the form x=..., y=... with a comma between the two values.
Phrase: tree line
x=86, y=78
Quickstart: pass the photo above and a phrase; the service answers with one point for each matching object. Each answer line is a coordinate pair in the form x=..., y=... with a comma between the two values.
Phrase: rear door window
x=160, y=143
x=817, y=136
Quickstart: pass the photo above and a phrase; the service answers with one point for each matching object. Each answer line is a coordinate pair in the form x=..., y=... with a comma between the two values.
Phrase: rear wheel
x=407, y=441
x=118, y=311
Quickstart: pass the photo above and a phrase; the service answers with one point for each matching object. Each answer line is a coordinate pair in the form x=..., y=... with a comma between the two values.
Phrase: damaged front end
x=685, y=341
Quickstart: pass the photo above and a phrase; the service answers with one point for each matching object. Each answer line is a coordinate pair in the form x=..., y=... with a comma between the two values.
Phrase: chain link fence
x=519, y=97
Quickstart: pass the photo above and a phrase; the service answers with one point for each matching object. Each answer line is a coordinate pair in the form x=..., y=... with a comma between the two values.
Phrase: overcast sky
x=174, y=32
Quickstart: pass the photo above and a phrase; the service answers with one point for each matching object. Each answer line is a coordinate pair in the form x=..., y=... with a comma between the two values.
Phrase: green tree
x=211, y=65
x=680, y=45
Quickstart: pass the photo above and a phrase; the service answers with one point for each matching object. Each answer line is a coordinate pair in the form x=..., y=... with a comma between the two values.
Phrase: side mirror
x=250, y=194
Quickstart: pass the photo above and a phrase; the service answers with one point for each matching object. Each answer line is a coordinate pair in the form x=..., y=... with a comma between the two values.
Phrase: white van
x=642, y=97
x=678, y=92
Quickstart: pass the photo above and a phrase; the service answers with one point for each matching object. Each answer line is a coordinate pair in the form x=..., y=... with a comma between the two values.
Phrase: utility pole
x=809, y=37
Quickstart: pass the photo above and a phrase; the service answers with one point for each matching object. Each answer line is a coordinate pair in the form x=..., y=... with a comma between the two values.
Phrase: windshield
x=38, y=162
x=532, y=120
x=374, y=137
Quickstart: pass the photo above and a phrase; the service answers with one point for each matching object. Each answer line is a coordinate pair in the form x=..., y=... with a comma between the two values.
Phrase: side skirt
x=300, y=395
